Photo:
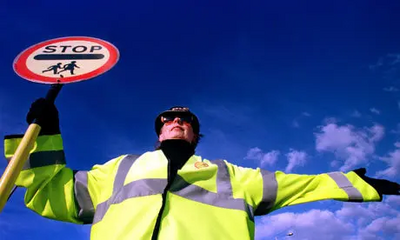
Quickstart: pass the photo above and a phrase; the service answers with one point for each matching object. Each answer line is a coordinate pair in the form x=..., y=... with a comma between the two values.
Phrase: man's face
x=176, y=128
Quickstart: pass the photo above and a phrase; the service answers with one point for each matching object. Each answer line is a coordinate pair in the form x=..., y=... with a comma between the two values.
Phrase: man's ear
x=195, y=137
x=195, y=140
x=159, y=135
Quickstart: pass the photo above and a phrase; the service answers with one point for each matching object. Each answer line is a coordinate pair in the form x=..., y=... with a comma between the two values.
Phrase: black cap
x=177, y=110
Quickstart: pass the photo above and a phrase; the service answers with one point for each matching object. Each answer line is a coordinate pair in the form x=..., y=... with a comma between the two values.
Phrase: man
x=170, y=193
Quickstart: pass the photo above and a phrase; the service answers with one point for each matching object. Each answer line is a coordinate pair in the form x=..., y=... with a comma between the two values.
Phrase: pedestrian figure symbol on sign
x=53, y=68
x=70, y=66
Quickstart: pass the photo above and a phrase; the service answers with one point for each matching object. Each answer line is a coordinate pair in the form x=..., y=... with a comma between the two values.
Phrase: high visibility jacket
x=207, y=200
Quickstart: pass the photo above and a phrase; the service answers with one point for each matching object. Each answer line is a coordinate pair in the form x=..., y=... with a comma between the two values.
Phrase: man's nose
x=177, y=120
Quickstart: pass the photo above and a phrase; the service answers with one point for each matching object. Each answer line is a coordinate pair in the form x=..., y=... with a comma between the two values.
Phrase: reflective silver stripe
x=345, y=184
x=270, y=190
x=224, y=185
x=139, y=188
x=86, y=211
x=45, y=158
x=198, y=194
x=123, y=169
x=224, y=188
x=224, y=196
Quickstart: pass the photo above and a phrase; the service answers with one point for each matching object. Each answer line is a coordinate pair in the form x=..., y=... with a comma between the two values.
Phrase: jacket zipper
x=171, y=174
x=160, y=213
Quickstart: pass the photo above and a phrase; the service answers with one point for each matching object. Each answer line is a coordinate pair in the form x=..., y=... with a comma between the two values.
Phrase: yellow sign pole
x=17, y=162
x=20, y=156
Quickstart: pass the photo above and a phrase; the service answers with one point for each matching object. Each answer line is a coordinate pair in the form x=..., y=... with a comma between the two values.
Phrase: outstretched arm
x=268, y=191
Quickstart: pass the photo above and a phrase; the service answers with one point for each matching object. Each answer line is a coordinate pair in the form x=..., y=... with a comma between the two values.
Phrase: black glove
x=382, y=186
x=45, y=114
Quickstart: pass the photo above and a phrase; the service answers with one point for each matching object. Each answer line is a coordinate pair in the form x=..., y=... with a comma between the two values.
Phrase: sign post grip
x=53, y=92
x=20, y=156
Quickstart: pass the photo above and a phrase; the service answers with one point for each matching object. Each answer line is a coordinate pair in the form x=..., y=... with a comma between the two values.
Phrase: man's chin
x=177, y=138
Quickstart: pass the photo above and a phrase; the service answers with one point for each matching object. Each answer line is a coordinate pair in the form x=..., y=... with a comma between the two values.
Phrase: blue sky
x=299, y=86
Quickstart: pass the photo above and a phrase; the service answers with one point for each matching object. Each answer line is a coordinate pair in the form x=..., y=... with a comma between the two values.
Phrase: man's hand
x=382, y=186
x=45, y=114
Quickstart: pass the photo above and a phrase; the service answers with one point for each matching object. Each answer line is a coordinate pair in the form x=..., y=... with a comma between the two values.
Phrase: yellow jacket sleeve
x=268, y=191
x=54, y=190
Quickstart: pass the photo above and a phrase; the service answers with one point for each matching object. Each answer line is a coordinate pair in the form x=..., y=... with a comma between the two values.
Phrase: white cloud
x=351, y=145
x=305, y=225
x=395, y=57
x=295, y=124
x=391, y=89
x=389, y=60
x=374, y=110
x=376, y=132
x=296, y=120
x=356, y=114
x=397, y=130
x=391, y=226
x=264, y=159
x=393, y=200
x=295, y=158
x=393, y=160
x=377, y=65
x=353, y=221
x=364, y=213
x=374, y=219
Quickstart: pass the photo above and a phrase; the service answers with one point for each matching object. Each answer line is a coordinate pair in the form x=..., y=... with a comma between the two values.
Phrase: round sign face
x=66, y=60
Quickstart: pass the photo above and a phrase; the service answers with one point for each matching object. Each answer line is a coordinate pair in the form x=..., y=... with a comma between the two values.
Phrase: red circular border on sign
x=22, y=70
